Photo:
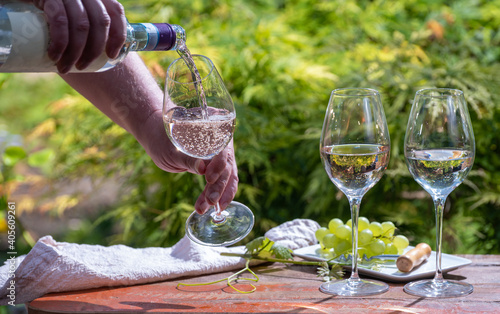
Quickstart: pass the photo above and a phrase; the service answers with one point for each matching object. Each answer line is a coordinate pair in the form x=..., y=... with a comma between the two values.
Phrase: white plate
x=389, y=271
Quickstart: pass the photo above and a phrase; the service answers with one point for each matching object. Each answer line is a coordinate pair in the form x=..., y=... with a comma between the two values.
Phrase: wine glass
x=439, y=151
x=199, y=118
x=355, y=148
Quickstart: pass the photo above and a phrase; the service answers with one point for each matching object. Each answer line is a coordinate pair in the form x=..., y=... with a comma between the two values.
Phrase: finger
x=180, y=163
x=214, y=190
x=231, y=187
x=201, y=205
x=99, y=21
x=225, y=187
x=79, y=26
x=117, y=29
x=185, y=163
x=164, y=154
x=216, y=166
x=58, y=27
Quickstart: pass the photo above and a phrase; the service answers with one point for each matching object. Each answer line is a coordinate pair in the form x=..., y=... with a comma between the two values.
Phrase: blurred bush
x=280, y=61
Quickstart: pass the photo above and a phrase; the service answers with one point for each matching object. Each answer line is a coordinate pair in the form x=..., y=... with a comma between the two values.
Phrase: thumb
x=200, y=166
x=193, y=165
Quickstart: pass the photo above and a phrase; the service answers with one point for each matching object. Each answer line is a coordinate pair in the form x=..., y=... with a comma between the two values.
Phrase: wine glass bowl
x=198, y=112
x=439, y=153
x=199, y=118
x=354, y=149
x=194, y=136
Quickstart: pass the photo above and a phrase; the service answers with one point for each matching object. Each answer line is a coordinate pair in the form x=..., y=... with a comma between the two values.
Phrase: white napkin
x=53, y=266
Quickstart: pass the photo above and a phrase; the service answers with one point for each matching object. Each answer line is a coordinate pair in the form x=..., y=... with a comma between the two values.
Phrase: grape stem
x=230, y=280
x=255, y=278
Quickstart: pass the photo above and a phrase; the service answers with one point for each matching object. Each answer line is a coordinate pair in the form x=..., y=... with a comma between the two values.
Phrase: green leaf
x=253, y=246
x=259, y=244
x=265, y=255
x=12, y=155
x=41, y=158
x=281, y=252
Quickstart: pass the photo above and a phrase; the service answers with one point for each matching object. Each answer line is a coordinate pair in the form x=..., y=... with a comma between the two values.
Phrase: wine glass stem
x=354, y=204
x=218, y=217
x=439, y=206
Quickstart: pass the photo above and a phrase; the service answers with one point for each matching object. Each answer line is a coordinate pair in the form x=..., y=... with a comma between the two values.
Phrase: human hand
x=80, y=30
x=221, y=172
x=222, y=180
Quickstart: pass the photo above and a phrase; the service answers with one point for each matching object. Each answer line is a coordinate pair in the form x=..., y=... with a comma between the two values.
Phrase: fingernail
x=203, y=207
x=200, y=166
x=54, y=55
x=212, y=178
x=214, y=196
x=64, y=70
x=112, y=53
x=81, y=65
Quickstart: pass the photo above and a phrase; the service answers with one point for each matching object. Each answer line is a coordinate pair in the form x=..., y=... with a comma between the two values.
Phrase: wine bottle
x=24, y=39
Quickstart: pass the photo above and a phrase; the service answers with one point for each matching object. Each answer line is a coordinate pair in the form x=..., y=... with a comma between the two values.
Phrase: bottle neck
x=156, y=36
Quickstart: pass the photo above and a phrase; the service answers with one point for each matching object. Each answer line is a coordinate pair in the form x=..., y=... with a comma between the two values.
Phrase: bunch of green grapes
x=374, y=238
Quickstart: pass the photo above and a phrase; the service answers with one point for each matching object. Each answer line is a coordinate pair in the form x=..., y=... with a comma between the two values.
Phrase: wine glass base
x=205, y=230
x=354, y=288
x=438, y=289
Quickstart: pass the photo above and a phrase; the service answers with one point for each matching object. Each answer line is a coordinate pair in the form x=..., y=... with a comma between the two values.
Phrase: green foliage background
x=280, y=61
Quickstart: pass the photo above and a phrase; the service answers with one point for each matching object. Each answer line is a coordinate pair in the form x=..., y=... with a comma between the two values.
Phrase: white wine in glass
x=199, y=118
x=355, y=148
x=439, y=151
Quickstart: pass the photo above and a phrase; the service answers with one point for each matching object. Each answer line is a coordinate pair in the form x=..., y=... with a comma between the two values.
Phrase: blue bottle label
x=153, y=36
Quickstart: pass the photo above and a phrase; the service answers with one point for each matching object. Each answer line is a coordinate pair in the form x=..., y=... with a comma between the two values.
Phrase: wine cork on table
x=413, y=257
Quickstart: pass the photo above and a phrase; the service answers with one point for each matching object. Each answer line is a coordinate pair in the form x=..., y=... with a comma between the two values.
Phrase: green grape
x=326, y=253
x=320, y=233
x=365, y=236
x=329, y=240
x=374, y=238
x=386, y=240
x=362, y=251
x=388, y=228
x=368, y=252
x=376, y=228
x=333, y=224
x=377, y=247
x=342, y=247
x=363, y=223
x=390, y=249
x=343, y=232
x=400, y=242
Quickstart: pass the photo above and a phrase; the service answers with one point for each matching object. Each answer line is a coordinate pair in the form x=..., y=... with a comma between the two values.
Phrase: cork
x=414, y=257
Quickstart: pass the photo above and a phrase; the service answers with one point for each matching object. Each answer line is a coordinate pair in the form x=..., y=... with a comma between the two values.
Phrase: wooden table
x=292, y=289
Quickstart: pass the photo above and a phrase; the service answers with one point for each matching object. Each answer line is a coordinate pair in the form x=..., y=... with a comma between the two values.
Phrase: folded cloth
x=53, y=266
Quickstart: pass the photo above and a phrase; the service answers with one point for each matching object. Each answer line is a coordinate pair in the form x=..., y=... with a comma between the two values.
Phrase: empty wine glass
x=199, y=117
x=439, y=151
x=355, y=148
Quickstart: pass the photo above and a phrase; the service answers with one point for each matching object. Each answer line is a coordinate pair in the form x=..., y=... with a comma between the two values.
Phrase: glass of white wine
x=355, y=148
x=199, y=118
x=439, y=151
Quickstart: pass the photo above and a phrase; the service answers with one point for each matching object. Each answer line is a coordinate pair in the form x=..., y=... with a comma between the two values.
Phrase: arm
x=80, y=31
x=130, y=96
